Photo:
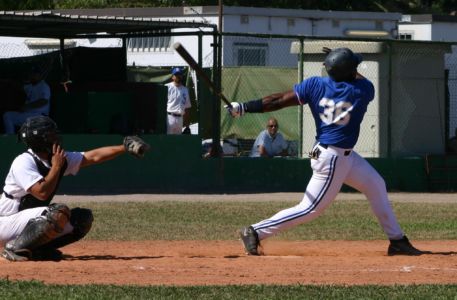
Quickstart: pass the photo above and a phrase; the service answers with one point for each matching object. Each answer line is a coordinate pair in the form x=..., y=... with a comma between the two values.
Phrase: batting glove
x=237, y=109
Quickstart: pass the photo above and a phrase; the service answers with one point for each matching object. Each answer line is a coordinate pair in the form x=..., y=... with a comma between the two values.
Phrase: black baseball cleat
x=250, y=240
x=403, y=247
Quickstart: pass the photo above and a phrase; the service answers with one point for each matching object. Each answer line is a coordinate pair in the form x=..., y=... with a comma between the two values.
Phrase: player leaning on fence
x=338, y=103
x=31, y=227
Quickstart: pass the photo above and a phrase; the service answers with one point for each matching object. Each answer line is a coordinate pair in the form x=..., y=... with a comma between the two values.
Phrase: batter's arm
x=272, y=102
x=279, y=100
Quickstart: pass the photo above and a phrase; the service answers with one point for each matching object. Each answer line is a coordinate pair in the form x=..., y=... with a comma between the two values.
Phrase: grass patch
x=343, y=220
x=173, y=220
x=36, y=290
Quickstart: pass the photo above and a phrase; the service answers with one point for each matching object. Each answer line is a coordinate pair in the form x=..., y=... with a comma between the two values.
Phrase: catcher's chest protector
x=29, y=201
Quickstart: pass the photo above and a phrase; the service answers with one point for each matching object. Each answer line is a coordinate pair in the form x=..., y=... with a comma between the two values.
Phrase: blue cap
x=177, y=71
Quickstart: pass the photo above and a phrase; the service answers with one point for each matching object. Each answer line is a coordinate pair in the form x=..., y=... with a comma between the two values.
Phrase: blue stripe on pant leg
x=318, y=199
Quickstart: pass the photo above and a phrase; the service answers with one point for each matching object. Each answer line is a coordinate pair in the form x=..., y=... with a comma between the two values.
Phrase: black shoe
x=250, y=240
x=402, y=247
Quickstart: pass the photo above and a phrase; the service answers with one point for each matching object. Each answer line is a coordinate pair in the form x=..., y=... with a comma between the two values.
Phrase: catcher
x=31, y=227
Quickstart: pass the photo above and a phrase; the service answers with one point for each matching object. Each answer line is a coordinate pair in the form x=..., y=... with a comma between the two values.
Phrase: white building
x=236, y=50
x=438, y=28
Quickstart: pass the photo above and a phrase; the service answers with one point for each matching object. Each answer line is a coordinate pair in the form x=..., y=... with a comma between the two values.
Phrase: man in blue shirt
x=38, y=95
x=338, y=104
x=269, y=142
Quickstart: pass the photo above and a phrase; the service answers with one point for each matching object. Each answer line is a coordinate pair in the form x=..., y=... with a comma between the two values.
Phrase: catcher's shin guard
x=37, y=232
x=81, y=219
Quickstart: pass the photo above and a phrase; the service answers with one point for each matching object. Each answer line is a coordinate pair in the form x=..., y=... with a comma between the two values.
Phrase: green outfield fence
x=175, y=165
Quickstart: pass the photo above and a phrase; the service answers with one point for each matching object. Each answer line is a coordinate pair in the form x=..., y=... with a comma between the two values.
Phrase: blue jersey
x=337, y=107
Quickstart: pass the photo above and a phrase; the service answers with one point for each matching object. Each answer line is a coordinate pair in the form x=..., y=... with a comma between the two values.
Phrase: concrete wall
x=174, y=165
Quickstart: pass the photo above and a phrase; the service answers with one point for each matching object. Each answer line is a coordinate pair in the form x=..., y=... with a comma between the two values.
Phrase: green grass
x=343, y=220
x=35, y=290
x=173, y=220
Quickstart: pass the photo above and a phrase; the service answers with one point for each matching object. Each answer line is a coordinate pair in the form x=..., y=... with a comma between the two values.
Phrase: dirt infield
x=223, y=263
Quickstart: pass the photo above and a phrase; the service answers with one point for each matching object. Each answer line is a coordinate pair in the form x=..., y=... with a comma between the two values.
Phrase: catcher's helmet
x=39, y=133
x=341, y=64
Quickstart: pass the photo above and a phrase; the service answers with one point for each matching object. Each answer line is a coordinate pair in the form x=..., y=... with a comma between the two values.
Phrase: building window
x=290, y=22
x=405, y=36
x=149, y=43
x=378, y=25
x=251, y=54
x=244, y=19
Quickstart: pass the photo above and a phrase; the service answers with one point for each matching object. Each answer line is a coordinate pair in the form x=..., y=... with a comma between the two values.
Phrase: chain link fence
x=414, y=111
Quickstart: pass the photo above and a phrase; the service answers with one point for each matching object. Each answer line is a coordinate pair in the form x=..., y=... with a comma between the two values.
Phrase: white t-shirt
x=178, y=98
x=38, y=91
x=24, y=173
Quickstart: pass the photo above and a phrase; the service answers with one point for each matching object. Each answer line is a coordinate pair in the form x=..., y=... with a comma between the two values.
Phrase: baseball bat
x=193, y=64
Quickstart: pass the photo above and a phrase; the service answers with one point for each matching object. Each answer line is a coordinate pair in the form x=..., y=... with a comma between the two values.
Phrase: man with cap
x=178, y=102
x=37, y=102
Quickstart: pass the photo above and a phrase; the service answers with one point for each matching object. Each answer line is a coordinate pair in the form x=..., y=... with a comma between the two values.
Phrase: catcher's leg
x=81, y=219
x=37, y=232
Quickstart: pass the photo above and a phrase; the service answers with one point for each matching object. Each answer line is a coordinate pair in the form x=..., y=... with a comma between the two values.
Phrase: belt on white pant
x=345, y=152
x=174, y=115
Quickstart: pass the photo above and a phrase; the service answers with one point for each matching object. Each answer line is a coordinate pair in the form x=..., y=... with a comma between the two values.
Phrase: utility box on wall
x=407, y=115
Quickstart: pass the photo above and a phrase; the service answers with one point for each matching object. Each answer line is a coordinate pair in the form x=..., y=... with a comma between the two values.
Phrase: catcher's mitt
x=135, y=146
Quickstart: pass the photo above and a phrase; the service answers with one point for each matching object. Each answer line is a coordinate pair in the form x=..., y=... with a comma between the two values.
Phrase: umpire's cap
x=177, y=71
x=341, y=64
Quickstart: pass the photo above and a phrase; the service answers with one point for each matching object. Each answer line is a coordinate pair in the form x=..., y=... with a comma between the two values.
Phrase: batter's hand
x=237, y=109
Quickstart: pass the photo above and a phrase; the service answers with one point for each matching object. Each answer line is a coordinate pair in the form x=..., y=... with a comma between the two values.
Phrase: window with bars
x=149, y=43
x=251, y=54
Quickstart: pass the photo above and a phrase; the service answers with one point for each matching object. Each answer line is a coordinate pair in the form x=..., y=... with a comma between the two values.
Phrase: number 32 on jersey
x=332, y=113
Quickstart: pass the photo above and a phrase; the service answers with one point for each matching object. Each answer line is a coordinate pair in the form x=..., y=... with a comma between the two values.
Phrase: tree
x=401, y=6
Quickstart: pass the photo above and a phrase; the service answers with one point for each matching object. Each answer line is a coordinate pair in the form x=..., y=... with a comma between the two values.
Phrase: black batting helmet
x=341, y=64
x=39, y=133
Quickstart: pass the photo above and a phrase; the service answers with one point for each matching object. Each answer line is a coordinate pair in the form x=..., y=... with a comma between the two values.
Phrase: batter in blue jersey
x=338, y=103
x=337, y=107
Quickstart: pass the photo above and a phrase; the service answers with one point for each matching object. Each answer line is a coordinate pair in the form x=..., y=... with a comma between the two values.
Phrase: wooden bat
x=201, y=74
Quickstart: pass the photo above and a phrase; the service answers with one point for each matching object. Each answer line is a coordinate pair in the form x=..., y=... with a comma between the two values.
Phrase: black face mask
x=44, y=144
